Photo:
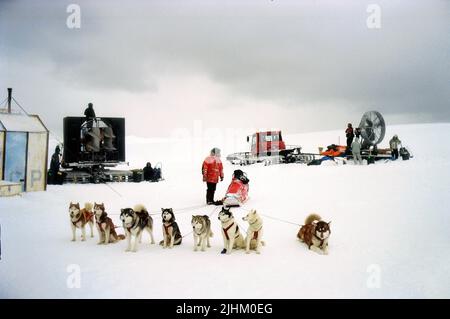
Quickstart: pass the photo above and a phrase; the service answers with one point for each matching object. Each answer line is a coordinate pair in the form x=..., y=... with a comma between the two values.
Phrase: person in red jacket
x=212, y=170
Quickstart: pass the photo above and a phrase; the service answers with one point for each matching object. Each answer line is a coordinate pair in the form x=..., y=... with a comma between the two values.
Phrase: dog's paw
x=152, y=242
x=203, y=249
x=195, y=249
x=73, y=239
x=224, y=251
x=247, y=251
x=258, y=252
x=83, y=239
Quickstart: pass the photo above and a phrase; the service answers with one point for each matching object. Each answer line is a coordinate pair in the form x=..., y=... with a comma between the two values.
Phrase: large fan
x=372, y=128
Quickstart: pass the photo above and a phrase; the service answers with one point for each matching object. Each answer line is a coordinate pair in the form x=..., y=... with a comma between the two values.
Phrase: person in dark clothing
x=350, y=135
x=149, y=173
x=357, y=133
x=55, y=163
x=90, y=115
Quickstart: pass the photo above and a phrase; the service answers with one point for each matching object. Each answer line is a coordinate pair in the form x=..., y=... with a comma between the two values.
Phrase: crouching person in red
x=212, y=170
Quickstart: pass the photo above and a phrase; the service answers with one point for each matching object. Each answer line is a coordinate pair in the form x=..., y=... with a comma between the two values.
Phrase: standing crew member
x=394, y=144
x=349, y=134
x=90, y=114
x=54, y=167
x=356, y=151
x=212, y=170
x=357, y=132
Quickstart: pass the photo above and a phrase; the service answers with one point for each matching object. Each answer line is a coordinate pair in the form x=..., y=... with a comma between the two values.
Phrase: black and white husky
x=134, y=222
x=232, y=237
x=171, y=232
x=201, y=228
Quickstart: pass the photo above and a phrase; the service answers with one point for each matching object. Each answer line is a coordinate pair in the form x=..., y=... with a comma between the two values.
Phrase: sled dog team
x=135, y=221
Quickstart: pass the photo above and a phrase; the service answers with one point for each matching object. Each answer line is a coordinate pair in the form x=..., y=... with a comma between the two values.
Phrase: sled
x=237, y=192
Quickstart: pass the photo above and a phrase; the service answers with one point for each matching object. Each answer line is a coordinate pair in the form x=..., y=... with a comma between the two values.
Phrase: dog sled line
x=135, y=221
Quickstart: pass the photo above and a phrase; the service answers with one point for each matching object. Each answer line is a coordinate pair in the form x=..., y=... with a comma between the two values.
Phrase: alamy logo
x=74, y=278
x=374, y=279
x=74, y=19
x=374, y=19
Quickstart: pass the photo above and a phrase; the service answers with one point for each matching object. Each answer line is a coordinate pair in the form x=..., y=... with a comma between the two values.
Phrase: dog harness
x=255, y=234
x=75, y=223
x=166, y=229
x=89, y=217
x=101, y=220
x=132, y=226
x=225, y=230
x=321, y=241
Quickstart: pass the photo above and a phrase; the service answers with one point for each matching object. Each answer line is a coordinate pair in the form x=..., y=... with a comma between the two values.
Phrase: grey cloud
x=311, y=55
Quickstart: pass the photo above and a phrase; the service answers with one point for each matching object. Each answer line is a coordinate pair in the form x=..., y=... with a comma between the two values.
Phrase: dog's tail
x=88, y=207
x=139, y=208
x=311, y=218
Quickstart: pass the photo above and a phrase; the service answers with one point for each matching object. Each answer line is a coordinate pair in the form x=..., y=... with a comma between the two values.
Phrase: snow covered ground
x=389, y=238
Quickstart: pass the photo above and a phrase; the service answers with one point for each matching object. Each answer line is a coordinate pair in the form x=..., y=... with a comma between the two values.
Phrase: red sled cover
x=237, y=193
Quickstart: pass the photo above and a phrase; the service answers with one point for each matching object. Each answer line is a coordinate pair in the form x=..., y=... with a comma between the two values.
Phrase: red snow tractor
x=269, y=147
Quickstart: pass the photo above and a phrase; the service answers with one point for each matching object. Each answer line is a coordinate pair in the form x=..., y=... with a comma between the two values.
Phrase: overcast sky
x=294, y=65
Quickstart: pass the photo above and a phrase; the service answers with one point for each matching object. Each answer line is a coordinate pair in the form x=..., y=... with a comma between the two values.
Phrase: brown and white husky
x=79, y=218
x=315, y=234
x=105, y=226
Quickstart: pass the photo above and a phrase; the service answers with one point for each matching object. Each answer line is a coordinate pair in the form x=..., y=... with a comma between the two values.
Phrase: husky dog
x=79, y=218
x=254, y=232
x=201, y=226
x=171, y=232
x=315, y=234
x=134, y=222
x=105, y=226
x=232, y=237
